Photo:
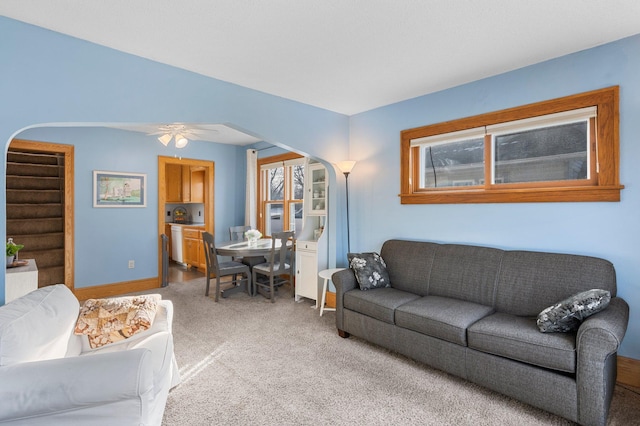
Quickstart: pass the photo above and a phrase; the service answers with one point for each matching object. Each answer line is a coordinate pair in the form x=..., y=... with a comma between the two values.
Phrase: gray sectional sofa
x=471, y=311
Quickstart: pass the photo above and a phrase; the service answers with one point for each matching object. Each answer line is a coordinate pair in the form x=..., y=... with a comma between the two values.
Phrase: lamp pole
x=346, y=182
x=346, y=167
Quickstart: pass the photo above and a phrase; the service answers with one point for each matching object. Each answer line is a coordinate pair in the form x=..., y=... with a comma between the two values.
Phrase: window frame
x=282, y=160
x=603, y=186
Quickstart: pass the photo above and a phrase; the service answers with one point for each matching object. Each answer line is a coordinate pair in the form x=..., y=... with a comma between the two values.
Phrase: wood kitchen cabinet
x=192, y=249
x=173, y=183
x=167, y=232
x=196, y=184
x=185, y=184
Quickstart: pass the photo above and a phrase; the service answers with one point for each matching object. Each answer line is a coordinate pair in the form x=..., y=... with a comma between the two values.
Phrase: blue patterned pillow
x=370, y=270
x=567, y=315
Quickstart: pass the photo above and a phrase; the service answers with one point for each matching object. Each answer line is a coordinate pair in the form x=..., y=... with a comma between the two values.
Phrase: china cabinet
x=317, y=190
x=311, y=241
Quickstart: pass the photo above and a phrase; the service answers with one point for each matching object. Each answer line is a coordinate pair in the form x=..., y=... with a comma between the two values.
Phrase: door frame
x=209, y=197
x=69, y=221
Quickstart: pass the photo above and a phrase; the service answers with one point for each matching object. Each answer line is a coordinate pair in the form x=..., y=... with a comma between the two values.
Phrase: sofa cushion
x=441, y=317
x=567, y=315
x=531, y=281
x=409, y=264
x=379, y=303
x=466, y=273
x=369, y=269
x=37, y=326
x=518, y=338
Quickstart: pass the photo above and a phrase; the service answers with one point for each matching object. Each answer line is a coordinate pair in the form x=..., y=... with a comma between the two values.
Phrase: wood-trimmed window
x=565, y=149
x=280, y=193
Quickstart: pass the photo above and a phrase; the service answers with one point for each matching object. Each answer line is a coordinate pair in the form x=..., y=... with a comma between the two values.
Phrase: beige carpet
x=245, y=361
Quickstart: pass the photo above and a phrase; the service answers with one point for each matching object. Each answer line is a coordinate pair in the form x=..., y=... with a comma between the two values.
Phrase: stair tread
x=32, y=189
x=44, y=234
x=29, y=204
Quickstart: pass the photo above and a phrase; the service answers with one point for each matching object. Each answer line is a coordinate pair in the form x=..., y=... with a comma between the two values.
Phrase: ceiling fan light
x=181, y=141
x=165, y=139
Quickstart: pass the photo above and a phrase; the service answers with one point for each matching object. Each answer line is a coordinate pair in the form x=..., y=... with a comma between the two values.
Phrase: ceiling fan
x=179, y=133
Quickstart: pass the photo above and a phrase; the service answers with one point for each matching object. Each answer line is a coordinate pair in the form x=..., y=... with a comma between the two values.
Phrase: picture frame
x=119, y=189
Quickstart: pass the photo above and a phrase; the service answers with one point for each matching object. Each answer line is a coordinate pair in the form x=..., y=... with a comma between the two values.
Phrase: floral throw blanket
x=106, y=321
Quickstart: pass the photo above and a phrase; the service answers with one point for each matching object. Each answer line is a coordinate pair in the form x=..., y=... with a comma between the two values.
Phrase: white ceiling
x=202, y=132
x=346, y=56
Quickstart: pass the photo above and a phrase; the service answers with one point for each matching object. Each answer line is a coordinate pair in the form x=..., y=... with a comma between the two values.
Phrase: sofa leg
x=343, y=334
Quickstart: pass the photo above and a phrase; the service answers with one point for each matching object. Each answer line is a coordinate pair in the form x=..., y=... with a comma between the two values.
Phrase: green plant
x=13, y=248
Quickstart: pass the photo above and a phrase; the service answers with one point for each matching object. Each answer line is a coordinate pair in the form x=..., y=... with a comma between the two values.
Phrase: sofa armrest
x=611, y=322
x=597, y=343
x=89, y=387
x=344, y=281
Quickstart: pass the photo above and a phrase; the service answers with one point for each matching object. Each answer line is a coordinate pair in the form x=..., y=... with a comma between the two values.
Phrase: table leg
x=324, y=295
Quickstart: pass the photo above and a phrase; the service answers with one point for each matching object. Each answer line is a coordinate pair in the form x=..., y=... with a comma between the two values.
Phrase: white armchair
x=50, y=376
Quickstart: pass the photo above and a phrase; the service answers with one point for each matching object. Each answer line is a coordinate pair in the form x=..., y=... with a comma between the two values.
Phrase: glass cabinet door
x=318, y=190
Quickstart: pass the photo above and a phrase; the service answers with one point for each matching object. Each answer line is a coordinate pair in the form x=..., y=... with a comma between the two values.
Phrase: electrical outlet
x=199, y=213
x=132, y=264
x=168, y=212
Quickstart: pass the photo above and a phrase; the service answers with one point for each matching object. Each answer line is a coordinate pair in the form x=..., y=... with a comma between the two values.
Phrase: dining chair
x=223, y=269
x=236, y=233
x=280, y=265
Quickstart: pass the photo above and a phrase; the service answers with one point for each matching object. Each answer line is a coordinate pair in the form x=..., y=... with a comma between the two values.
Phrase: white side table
x=326, y=275
x=20, y=281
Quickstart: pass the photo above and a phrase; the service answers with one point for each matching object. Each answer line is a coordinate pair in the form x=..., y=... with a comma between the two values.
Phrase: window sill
x=525, y=195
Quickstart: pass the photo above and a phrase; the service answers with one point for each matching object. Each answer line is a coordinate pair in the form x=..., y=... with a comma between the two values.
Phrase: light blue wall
x=106, y=238
x=49, y=78
x=609, y=230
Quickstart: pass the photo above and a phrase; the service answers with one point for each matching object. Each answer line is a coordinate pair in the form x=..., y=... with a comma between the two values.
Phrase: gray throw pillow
x=370, y=270
x=566, y=316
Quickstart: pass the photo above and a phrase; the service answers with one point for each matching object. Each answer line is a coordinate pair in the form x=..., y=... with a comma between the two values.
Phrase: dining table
x=251, y=253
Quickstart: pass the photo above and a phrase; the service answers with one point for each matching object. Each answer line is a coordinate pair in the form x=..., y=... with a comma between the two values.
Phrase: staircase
x=35, y=210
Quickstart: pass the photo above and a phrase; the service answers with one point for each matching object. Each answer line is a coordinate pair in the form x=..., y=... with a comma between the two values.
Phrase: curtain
x=251, y=208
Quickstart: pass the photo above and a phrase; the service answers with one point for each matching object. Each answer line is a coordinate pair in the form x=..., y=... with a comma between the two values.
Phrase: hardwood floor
x=179, y=273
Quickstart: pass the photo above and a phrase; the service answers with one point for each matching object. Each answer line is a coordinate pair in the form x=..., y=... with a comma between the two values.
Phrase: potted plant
x=12, y=250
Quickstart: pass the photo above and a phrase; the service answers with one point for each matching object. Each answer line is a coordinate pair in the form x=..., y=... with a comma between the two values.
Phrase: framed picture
x=114, y=189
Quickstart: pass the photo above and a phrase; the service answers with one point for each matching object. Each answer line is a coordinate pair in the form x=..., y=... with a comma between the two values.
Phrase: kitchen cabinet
x=173, y=183
x=306, y=270
x=196, y=184
x=192, y=247
x=167, y=232
x=184, y=184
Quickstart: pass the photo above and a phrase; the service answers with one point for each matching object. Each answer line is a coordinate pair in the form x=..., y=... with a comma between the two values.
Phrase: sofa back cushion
x=531, y=281
x=409, y=264
x=466, y=272
x=38, y=325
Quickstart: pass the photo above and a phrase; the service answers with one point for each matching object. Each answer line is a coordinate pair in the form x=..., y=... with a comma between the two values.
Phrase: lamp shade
x=346, y=166
x=181, y=141
x=165, y=139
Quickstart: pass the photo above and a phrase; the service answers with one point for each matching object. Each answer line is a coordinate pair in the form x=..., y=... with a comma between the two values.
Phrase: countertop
x=185, y=224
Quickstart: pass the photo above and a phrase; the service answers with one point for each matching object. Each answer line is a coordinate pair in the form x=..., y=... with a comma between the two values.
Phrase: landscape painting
x=115, y=189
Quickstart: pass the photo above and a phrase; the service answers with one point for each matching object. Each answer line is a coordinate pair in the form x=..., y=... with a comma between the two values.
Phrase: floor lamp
x=346, y=167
